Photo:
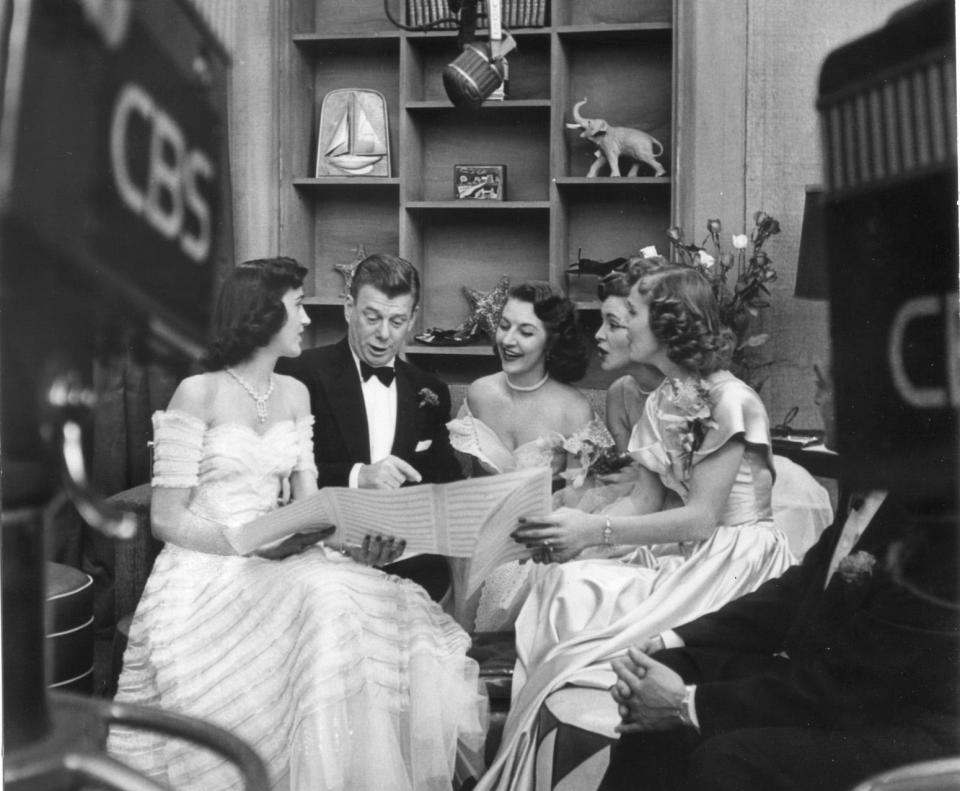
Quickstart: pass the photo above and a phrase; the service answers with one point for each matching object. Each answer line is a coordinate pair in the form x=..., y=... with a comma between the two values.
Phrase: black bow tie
x=384, y=373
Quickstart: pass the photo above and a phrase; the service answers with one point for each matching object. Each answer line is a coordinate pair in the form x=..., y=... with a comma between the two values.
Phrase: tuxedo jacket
x=340, y=433
x=862, y=650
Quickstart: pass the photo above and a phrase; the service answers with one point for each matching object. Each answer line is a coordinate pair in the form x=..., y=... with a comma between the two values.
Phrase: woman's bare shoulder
x=576, y=407
x=194, y=393
x=295, y=393
x=485, y=390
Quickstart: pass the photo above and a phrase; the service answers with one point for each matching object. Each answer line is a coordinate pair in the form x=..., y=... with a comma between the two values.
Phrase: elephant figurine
x=614, y=142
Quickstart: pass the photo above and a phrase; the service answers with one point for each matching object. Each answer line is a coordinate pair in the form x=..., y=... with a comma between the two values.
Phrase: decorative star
x=347, y=270
x=485, y=309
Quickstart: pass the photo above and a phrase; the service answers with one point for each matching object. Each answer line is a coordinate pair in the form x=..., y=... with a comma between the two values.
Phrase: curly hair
x=619, y=281
x=250, y=309
x=388, y=274
x=685, y=317
x=567, y=350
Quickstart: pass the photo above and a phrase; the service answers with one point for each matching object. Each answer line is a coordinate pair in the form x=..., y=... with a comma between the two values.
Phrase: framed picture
x=480, y=182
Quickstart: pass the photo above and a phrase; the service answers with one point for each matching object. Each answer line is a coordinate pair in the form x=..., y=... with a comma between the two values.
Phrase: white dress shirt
x=380, y=402
x=857, y=520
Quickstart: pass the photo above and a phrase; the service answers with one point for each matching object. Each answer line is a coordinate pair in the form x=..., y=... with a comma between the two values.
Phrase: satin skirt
x=582, y=614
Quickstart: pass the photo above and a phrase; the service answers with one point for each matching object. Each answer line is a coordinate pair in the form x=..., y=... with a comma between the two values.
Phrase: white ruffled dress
x=340, y=676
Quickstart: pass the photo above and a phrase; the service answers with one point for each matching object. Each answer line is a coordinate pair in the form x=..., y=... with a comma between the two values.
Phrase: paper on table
x=465, y=519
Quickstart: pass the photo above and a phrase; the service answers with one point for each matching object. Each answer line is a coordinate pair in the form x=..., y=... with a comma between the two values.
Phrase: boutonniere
x=689, y=420
x=427, y=396
x=857, y=567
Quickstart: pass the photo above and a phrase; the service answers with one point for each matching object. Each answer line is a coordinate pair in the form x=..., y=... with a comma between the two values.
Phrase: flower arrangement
x=594, y=447
x=739, y=280
x=686, y=426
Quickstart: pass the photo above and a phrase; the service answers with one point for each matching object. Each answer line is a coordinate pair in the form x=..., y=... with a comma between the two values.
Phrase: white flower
x=650, y=251
x=705, y=258
x=740, y=241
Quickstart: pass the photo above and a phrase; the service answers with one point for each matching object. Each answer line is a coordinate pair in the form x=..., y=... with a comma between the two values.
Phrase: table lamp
x=812, y=277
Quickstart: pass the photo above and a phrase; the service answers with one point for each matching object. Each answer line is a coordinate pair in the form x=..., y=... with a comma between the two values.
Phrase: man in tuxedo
x=380, y=421
x=845, y=666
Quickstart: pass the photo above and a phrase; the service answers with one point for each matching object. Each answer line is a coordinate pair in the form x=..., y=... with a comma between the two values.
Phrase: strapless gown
x=340, y=676
x=582, y=613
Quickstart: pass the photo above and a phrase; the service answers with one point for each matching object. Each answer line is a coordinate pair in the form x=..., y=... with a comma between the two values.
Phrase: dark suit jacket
x=340, y=433
x=861, y=652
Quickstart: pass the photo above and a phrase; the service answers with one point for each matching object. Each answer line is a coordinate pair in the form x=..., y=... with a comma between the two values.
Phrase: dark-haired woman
x=522, y=415
x=704, y=436
x=338, y=675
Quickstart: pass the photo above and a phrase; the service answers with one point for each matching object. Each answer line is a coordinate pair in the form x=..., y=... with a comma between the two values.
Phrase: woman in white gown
x=704, y=437
x=520, y=417
x=339, y=675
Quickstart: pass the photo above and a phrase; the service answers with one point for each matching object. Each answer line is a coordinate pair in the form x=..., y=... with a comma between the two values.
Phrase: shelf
x=606, y=182
x=494, y=106
x=604, y=33
x=619, y=54
x=466, y=351
x=478, y=205
x=413, y=36
x=309, y=39
x=334, y=182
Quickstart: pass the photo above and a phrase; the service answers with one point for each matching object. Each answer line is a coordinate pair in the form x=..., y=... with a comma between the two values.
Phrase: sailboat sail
x=365, y=138
x=340, y=139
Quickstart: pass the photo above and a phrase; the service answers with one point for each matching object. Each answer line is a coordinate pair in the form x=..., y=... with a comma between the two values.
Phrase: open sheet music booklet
x=465, y=519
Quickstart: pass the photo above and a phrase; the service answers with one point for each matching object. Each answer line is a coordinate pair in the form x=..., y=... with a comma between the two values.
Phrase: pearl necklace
x=527, y=388
x=260, y=400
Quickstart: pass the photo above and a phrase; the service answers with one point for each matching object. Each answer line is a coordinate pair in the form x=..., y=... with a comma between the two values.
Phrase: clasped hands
x=648, y=694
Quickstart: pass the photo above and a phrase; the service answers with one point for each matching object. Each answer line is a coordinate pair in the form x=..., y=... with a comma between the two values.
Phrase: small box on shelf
x=480, y=182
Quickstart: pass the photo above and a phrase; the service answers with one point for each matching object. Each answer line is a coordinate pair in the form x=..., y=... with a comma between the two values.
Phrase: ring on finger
x=546, y=544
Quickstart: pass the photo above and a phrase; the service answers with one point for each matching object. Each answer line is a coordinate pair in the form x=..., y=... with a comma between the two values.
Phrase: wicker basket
x=515, y=14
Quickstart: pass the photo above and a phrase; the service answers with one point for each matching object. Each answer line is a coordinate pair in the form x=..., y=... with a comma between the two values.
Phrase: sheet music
x=465, y=519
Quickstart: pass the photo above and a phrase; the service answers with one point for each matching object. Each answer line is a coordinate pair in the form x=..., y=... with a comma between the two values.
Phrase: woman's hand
x=376, y=550
x=628, y=474
x=560, y=535
x=295, y=544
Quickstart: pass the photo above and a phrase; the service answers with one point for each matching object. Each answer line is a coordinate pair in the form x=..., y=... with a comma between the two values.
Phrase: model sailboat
x=354, y=138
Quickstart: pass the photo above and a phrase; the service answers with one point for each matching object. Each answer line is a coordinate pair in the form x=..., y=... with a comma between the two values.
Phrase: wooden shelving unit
x=619, y=54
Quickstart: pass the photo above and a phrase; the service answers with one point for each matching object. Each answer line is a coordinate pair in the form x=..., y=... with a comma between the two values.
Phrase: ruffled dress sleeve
x=735, y=411
x=738, y=412
x=177, y=448
x=306, y=461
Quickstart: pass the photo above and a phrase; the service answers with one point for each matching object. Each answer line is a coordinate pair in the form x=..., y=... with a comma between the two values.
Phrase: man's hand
x=390, y=472
x=648, y=694
x=651, y=645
